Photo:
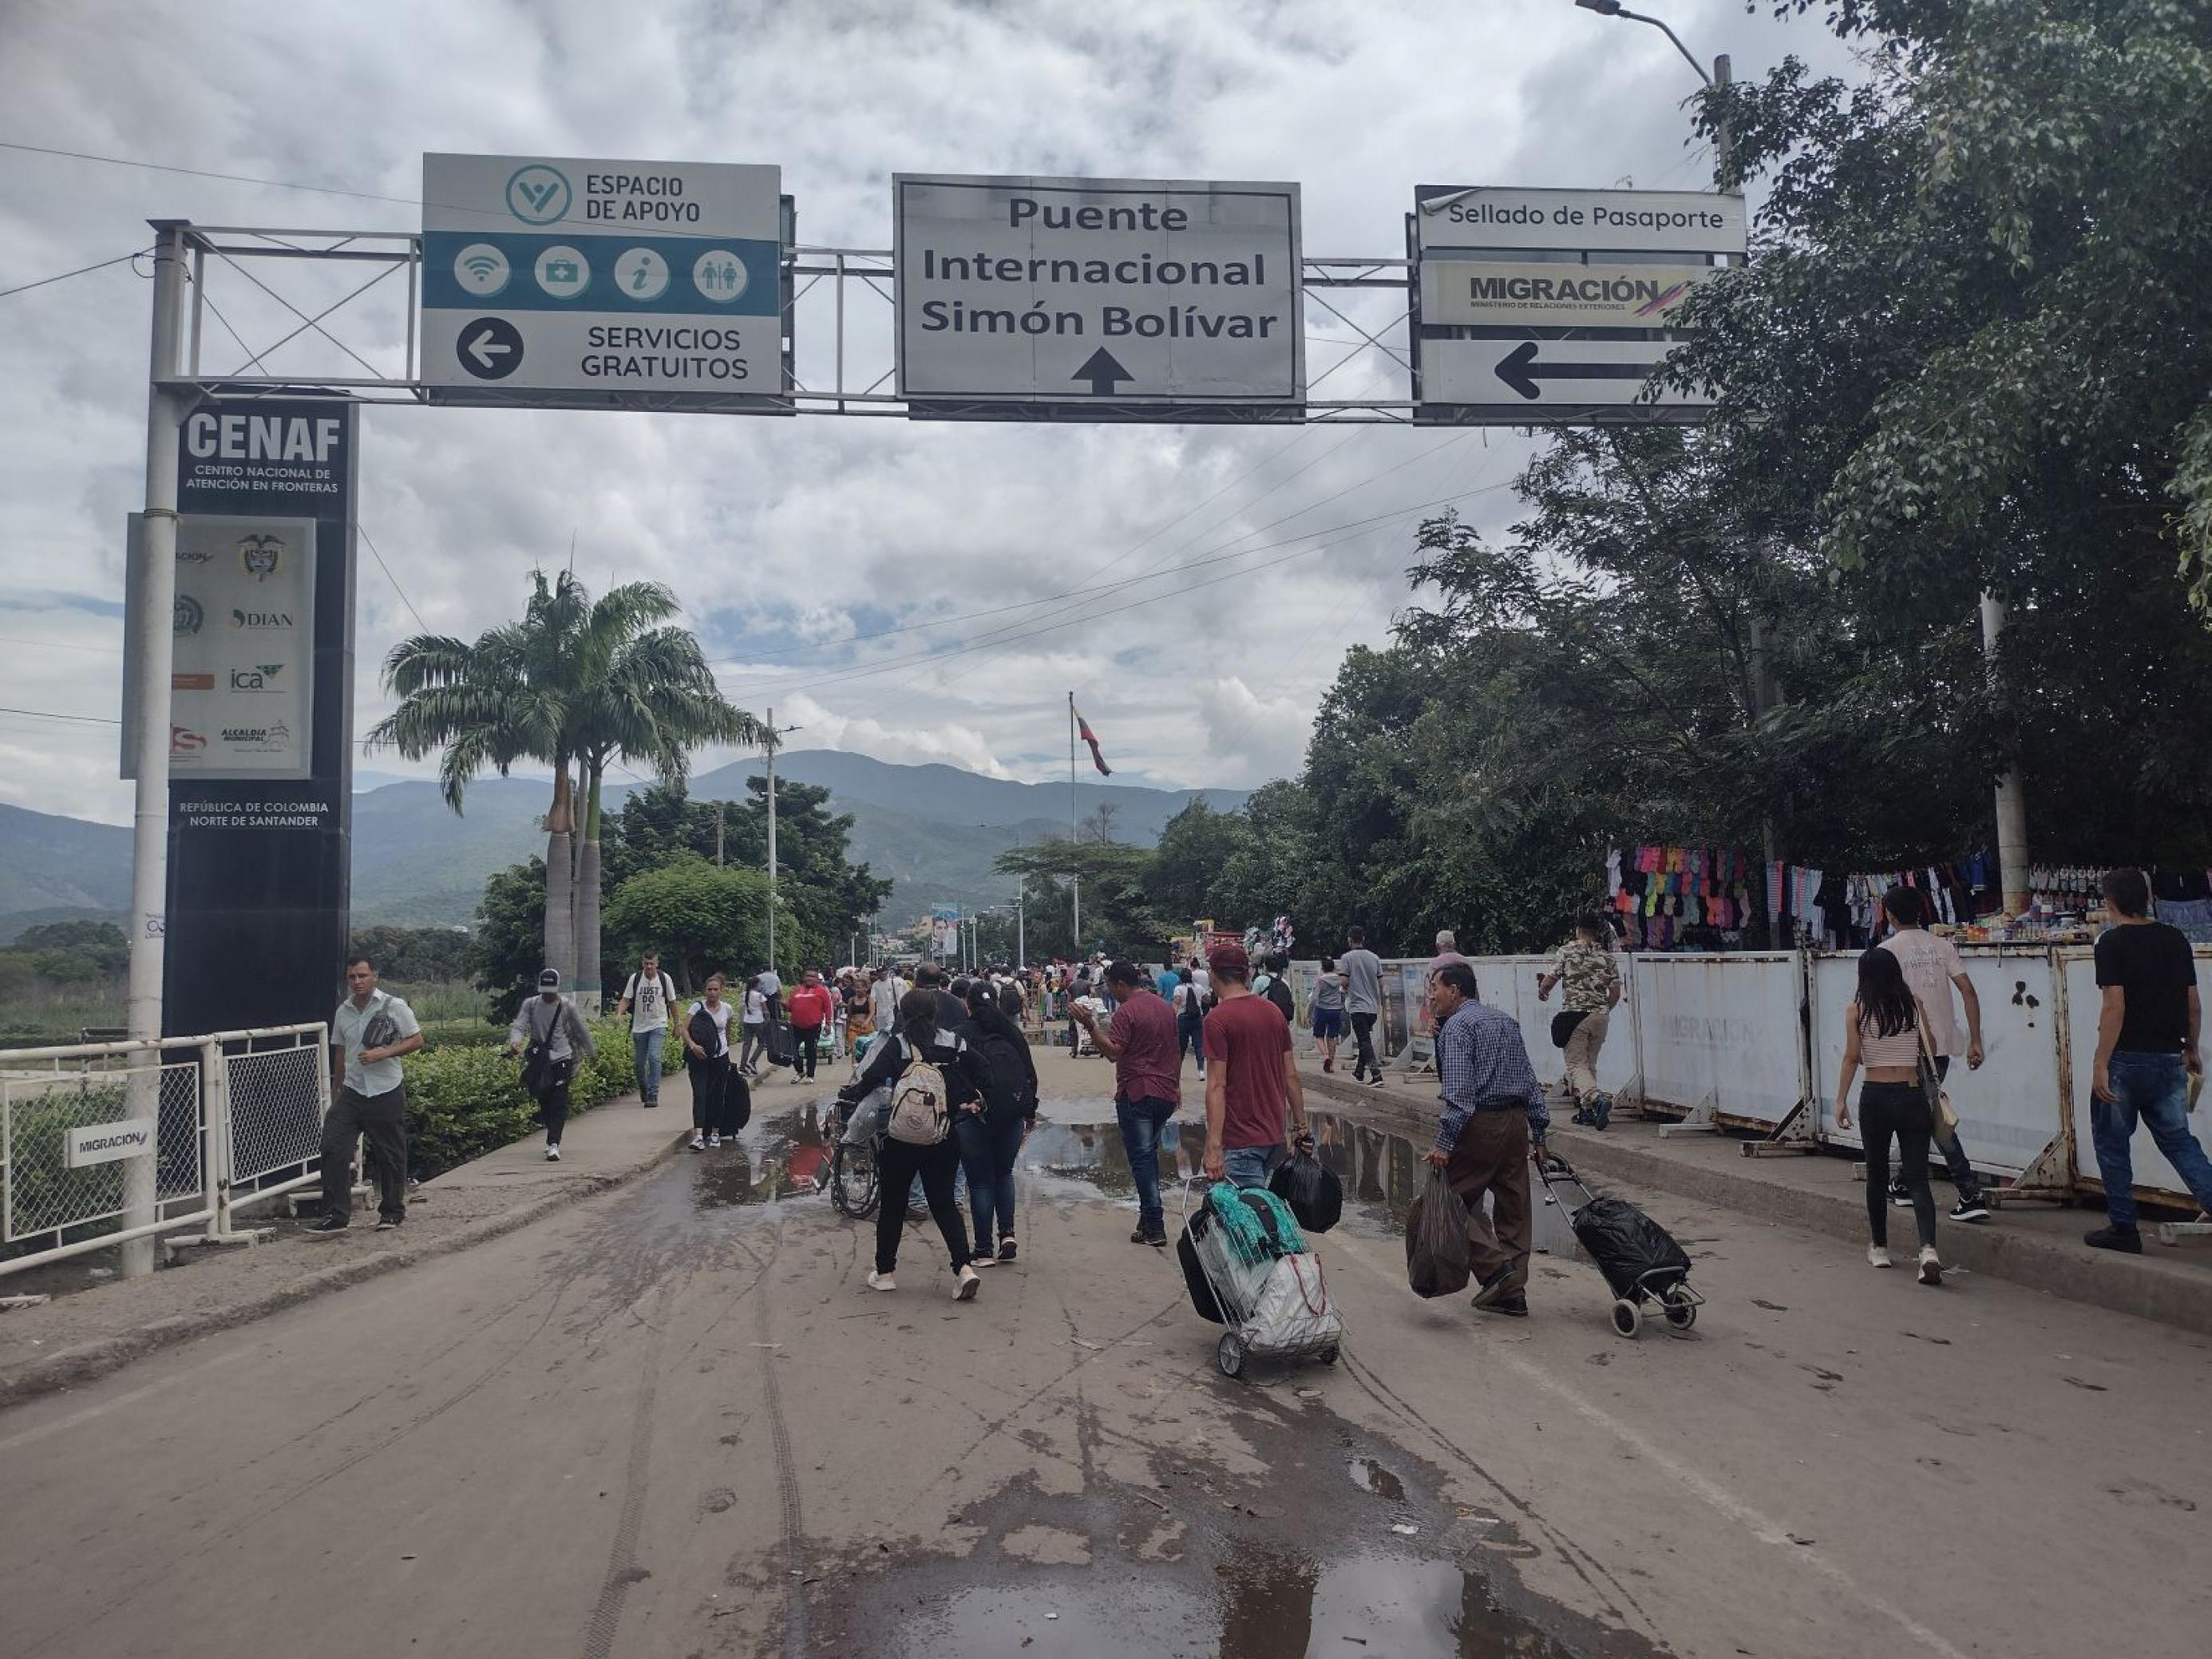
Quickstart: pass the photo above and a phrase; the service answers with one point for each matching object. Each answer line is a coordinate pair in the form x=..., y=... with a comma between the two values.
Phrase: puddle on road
x=778, y=1155
x=1369, y=1475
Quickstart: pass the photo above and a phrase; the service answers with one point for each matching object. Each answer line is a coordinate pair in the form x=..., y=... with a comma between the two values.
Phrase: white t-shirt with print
x=1931, y=964
x=649, y=1002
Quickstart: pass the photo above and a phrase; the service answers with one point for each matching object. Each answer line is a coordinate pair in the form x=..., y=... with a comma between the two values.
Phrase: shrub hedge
x=465, y=1098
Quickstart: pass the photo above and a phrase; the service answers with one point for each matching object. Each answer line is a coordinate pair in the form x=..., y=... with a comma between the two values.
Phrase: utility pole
x=2011, y=798
x=1075, y=878
x=718, y=835
x=771, y=839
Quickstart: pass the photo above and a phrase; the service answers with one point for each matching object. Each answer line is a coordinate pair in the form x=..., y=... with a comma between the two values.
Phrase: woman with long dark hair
x=706, y=1058
x=921, y=1037
x=990, y=1143
x=1883, y=1032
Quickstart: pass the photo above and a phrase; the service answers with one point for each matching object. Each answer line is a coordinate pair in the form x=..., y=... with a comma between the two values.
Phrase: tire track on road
x=622, y=1570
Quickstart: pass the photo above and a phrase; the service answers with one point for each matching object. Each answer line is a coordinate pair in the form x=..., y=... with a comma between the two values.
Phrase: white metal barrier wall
x=105, y=1142
x=1726, y=1028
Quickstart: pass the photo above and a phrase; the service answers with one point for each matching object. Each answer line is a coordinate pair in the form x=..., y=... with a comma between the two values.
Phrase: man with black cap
x=555, y=1035
x=1248, y=1076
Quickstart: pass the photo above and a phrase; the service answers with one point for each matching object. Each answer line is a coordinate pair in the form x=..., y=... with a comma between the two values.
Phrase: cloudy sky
x=1007, y=558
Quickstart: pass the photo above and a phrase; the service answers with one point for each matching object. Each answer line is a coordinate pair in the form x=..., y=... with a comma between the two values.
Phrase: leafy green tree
x=1117, y=911
x=703, y=918
x=413, y=956
x=81, y=949
x=1194, y=847
x=509, y=948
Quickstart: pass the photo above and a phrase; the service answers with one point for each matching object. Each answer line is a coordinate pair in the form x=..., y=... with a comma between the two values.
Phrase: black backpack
x=1006, y=1080
x=702, y=1030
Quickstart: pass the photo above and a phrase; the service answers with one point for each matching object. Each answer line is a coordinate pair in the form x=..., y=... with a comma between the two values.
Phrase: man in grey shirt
x=1363, y=1001
x=369, y=1033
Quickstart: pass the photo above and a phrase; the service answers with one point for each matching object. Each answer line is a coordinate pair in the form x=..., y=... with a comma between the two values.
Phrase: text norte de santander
x=1175, y=322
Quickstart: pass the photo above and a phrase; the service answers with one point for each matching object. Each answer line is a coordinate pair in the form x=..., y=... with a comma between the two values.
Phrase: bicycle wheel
x=853, y=1180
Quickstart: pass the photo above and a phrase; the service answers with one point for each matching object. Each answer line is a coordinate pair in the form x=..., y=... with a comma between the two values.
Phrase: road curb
x=2057, y=1266
x=69, y=1368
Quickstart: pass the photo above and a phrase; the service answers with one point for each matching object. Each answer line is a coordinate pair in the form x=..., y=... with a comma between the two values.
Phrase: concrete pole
x=771, y=839
x=2011, y=799
x=1075, y=880
x=155, y=630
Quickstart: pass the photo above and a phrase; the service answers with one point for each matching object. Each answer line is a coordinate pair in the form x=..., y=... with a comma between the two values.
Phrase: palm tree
x=649, y=699
x=572, y=682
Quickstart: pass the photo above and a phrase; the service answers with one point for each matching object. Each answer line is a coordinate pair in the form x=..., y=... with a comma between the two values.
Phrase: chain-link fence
x=277, y=1099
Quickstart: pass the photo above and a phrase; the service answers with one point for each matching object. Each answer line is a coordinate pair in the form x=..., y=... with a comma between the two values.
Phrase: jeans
x=1190, y=1038
x=1141, y=1121
x=644, y=1054
x=989, y=1144
x=1363, y=1028
x=1248, y=1166
x=1954, y=1155
x=383, y=1119
x=1898, y=1109
x=899, y=1164
x=810, y=1048
x=2155, y=1088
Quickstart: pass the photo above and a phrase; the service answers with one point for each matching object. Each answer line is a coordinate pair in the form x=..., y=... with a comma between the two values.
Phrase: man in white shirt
x=883, y=1000
x=647, y=999
x=1932, y=969
x=370, y=1032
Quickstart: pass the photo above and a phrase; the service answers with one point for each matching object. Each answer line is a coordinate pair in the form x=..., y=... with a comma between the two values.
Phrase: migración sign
x=1098, y=299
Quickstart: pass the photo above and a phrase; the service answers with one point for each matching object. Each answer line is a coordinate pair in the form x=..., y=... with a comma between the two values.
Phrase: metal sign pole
x=154, y=628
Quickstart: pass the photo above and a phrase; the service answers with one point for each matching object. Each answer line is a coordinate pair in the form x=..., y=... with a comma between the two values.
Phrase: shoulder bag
x=1941, y=1112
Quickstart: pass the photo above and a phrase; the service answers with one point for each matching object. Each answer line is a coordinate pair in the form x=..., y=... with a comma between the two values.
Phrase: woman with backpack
x=706, y=1058
x=1190, y=1020
x=990, y=1143
x=1883, y=1031
x=932, y=1076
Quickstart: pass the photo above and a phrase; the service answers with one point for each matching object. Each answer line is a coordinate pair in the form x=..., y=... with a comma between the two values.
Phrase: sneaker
x=650, y=1104
x=1931, y=1266
x=698, y=1143
x=1498, y=1288
x=982, y=1261
x=1900, y=1195
x=2126, y=1240
x=965, y=1288
x=1329, y=1066
x=1006, y=1249
x=1970, y=1209
x=715, y=1139
x=1157, y=1240
x=331, y=1224
x=552, y=1154
x=1515, y=1306
x=880, y=1281
x=1375, y=1082
x=1601, y=1111
x=1878, y=1256
x=388, y=1223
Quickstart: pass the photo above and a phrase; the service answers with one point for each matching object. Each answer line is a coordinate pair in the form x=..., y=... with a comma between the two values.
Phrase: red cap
x=1231, y=959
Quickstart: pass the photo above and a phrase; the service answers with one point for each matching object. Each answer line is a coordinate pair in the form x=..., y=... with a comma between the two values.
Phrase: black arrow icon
x=1519, y=370
x=1102, y=372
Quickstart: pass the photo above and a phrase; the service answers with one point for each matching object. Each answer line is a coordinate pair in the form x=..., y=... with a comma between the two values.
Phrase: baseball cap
x=549, y=980
x=1229, y=958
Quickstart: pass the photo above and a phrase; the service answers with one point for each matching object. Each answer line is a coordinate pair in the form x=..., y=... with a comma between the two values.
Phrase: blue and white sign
x=554, y=275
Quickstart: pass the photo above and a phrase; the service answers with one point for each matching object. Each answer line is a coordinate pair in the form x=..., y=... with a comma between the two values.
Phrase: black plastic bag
x=1436, y=1240
x=1627, y=1245
x=1313, y=1192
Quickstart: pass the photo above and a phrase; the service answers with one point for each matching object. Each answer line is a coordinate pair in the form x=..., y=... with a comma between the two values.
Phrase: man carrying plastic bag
x=1493, y=1124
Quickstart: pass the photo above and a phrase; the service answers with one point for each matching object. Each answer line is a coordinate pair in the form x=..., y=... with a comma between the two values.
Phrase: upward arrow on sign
x=1102, y=371
x=1519, y=370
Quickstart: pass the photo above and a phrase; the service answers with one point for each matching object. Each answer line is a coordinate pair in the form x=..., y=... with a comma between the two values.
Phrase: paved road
x=673, y=1420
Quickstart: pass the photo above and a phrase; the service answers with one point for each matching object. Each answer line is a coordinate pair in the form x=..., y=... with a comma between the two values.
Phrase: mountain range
x=933, y=829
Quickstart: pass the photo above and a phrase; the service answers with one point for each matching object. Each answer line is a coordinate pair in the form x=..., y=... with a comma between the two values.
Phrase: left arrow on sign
x=1519, y=370
x=1104, y=371
x=491, y=349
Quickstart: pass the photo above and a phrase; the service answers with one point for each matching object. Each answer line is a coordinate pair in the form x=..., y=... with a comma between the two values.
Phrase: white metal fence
x=105, y=1142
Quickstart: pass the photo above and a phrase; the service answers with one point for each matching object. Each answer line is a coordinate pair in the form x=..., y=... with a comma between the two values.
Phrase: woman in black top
x=989, y=1144
x=921, y=1035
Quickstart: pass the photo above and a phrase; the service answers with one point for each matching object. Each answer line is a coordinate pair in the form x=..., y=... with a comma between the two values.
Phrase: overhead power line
x=62, y=277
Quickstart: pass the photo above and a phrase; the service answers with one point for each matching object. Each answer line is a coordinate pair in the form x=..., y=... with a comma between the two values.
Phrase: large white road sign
x=1098, y=298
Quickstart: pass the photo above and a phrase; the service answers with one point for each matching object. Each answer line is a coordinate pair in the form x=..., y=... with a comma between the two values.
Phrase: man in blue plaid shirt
x=1493, y=1124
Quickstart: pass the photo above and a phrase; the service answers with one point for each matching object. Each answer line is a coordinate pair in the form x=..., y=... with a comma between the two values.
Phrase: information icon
x=719, y=274
x=640, y=274
x=563, y=273
x=480, y=270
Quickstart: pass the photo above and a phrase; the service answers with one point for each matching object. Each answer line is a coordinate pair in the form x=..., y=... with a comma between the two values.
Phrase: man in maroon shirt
x=1248, y=1076
x=1147, y=1087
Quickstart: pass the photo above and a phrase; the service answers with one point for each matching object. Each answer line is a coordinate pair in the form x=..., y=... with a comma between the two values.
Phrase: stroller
x=1640, y=1260
x=1277, y=1307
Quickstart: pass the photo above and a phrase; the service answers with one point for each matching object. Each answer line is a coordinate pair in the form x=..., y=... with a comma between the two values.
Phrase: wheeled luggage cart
x=1640, y=1260
x=1278, y=1310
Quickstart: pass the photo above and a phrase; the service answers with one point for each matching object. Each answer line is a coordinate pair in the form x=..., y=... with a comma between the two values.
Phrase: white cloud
x=1263, y=552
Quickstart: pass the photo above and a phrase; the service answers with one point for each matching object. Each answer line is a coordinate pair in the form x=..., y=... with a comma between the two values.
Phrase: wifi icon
x=480, y=270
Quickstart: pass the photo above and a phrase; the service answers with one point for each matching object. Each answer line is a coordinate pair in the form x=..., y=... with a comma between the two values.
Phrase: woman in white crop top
x=1883, y=1032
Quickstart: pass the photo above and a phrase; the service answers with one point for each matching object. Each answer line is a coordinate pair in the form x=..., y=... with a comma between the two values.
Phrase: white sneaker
x=982, y=1261
x=552, y=1154
x=698, y=1143
x=1878, y=1256
x=714, y=1139
x=880, y=1281
x=965, y=1290
x=1931, y=1266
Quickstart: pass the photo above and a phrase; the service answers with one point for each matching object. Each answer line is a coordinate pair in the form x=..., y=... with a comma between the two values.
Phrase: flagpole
x=1075, y=877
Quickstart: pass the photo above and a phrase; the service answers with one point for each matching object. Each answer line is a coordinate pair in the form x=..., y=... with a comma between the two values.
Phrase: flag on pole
x=1083, y=730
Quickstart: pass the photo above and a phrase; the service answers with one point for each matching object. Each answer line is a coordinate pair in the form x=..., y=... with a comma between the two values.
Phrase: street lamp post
x=773, y=732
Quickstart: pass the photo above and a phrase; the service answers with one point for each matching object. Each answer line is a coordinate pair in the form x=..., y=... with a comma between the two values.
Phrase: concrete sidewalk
x=2036, y=1245
x=87, y=1334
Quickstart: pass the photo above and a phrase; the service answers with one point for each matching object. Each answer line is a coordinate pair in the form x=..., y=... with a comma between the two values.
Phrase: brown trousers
x=1492, y=1157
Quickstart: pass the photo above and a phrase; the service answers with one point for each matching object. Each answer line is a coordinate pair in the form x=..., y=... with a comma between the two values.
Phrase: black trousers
x=936, y=1166
x=1897, y=1110
x=1362, y=1031
x=710, y=1078
x=809, y=1047
x=383, y=1119
x=553, y=1110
